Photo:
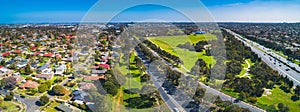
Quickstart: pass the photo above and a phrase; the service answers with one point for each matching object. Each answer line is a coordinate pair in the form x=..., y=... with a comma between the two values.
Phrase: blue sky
x=54, y=11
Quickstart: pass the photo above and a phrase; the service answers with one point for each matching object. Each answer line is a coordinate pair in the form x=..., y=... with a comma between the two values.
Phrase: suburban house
x=14, y=79
x=79, y=95
x=5, y=54
x=48, y=55
x=99, y=71
x=84, y=86
x=34, y=64
x=22, y=64
x=60, y=69
x=64, y=108
x=29, y=84
x=44, y=76
x=105, y=66
x=5, y=72
x=93, y=78
x=45, y=66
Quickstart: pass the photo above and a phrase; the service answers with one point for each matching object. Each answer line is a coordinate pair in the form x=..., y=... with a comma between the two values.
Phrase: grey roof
x=64, y=108
x=79, y=95
x=99, y=71
x=44, y=67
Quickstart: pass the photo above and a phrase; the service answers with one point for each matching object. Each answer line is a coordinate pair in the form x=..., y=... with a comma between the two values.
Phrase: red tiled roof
x=1, y=66
x=33, y=48
x=17, y=51
x=36, y=53
x=22, y=36
x=105, y=66
x=93, y=78
x=29, y=84
x=6, y=54
x=71, y=52
x=48, y=55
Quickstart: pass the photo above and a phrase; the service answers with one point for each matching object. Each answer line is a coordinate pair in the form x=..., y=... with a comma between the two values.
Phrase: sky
x=58, y=11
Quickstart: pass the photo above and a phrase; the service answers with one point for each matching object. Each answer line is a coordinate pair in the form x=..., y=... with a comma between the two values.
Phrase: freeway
x=275, y=61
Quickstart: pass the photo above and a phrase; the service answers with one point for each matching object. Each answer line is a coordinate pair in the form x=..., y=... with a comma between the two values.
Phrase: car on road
x=287, y=69
x=175, y=109
x=236, y=101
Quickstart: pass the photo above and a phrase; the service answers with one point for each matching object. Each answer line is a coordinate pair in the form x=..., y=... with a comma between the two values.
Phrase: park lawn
x=10, y=107
x=296, y=62
x=175, y=40
x=51, y=107
x=133, y=79
x=245, y=65
x=279, y=96
x=128, y=96
x=188, y=57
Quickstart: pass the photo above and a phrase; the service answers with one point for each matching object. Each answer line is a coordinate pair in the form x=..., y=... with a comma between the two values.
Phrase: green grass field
x=8, y=106
x=133, y=79
x=245, y=65
x=51, y=107
x=279, y=96
x=169, y=43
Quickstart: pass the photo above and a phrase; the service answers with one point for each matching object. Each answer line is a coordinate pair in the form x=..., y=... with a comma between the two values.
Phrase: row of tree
x=162, y=52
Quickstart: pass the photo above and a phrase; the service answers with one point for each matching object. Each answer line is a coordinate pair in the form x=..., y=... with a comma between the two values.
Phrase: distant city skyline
x=63, y=11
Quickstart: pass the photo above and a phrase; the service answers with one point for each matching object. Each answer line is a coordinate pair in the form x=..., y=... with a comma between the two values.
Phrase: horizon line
x=140, y=22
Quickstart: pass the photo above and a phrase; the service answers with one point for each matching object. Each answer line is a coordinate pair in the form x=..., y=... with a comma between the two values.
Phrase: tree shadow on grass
x=132, y=91
x=133, y=75
x=140, y=102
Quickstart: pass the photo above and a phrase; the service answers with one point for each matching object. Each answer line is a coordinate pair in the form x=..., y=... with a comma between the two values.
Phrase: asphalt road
x=272, y=59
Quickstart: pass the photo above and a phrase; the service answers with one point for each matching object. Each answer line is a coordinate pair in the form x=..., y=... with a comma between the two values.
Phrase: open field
x=279, y=96
x=188, y=57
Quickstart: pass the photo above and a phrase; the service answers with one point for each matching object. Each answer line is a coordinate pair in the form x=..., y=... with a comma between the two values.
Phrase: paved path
x=246, y=74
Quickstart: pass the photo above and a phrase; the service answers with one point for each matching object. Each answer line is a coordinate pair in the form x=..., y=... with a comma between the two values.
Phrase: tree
x=252, y=99
x=110, y=88
x=148, y=90
x=59, y=90
x=28, y=69
x=102, y=103
x=243, y=95
x=9, y=96
x=297, y=90
x=29, y=78
x=280, y=105
x=235, y=108
x=44, y=100
x=42, y=88
x=145, y=78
